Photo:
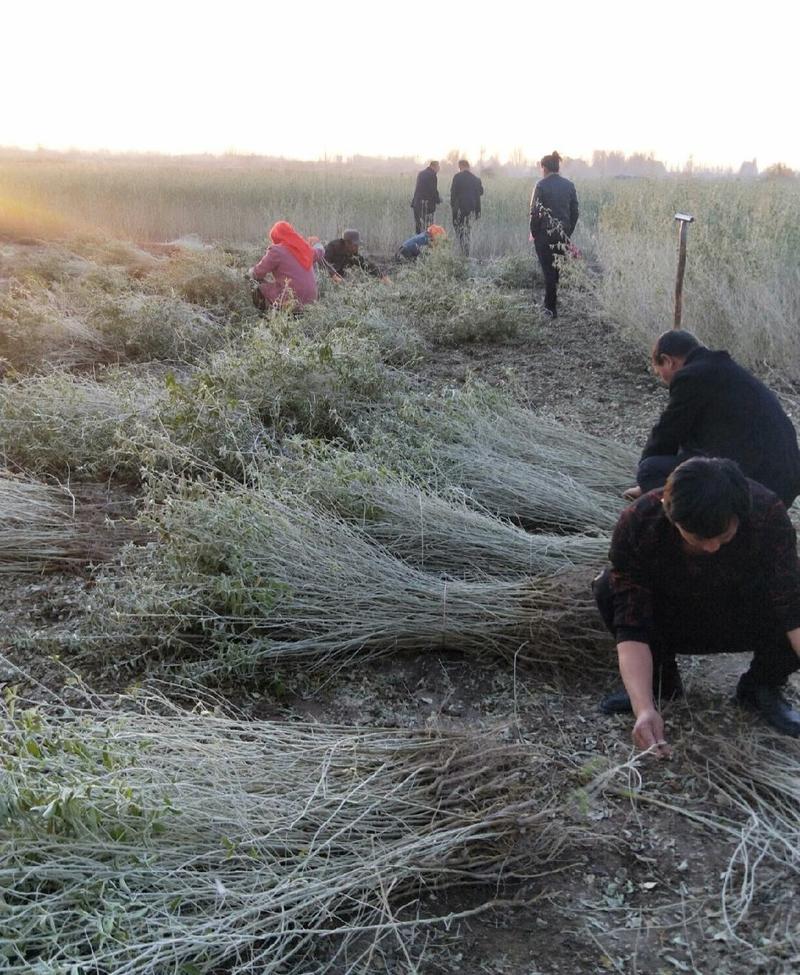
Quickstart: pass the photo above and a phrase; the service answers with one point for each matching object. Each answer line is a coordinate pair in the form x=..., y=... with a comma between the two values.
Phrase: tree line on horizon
x=603, y=163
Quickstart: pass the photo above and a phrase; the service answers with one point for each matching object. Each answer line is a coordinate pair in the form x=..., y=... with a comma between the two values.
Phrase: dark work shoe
x=617, y=702
x=668, y=688
x=773, y=707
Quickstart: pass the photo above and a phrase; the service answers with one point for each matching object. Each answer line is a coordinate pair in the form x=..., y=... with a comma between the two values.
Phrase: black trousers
x=462, y=224
x=653, y=472
x=547, y=250
x=423, y=216
x=744, y=629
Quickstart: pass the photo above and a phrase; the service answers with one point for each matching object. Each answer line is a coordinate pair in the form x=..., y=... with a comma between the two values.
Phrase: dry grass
x=742, y=288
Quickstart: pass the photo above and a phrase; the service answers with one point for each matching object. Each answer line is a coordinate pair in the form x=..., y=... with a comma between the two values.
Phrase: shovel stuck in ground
x=684, y=219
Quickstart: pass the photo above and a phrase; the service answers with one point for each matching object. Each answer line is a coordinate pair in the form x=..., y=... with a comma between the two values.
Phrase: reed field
x=743, y=273
x=299, y=657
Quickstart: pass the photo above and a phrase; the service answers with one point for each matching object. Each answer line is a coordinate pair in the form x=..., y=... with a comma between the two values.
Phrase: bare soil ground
x=639, y=890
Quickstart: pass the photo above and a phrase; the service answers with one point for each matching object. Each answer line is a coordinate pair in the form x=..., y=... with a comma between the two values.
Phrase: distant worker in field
x=554, y=214
x=718, y=409
x=413, y=247
x=290, y=259
x=426, y=196
x=466, y=191
x=707, y=565
x=342, y=255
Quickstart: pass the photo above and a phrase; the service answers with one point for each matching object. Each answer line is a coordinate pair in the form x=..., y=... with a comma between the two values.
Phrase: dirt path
x=582, y=374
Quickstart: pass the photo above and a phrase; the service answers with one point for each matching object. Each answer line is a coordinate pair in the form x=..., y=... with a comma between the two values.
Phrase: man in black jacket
x=554, y=213
x=341, y=254
x=426, y=196
x=718, y=409
x=466, y=191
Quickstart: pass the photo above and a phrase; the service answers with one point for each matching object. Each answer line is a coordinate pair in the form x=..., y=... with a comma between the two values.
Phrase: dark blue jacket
x=412, y=247
x=554, y=207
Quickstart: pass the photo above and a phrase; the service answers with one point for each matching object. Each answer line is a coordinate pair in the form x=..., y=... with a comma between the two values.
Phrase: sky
x=306, y=79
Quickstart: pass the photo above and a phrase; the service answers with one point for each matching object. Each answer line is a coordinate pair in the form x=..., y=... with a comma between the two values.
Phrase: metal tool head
x=684, y=217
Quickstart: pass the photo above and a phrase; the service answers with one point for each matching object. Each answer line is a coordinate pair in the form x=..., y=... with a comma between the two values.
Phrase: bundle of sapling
x=297, y=384
x=515, y=271
x=38, y=326
x=47, y=527
x=526, y=493
x=161, y=840
x=141, y=327
x=288, y=580
x=483, y=416
x=543, y=478
x=440, y=531
x=363, y=307
x=74, y=426
x=39, y=527
x=205, y=276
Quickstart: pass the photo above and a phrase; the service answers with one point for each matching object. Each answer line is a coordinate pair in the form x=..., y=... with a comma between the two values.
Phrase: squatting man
x=708, y=564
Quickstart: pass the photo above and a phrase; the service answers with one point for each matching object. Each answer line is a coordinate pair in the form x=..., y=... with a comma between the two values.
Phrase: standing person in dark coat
x=708, y=565
x=426, y=196
x=719, y=409
x=554, y=213
x=466, y=191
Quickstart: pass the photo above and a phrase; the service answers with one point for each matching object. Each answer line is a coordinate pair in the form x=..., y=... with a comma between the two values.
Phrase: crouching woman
x=290, y=259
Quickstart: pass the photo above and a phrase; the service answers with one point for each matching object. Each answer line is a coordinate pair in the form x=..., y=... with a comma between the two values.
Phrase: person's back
x=292, y=281
x=411, y=248
x=336, y=255
x=465, y=193
x=342, y=255
x=738, y=417
x=557, y=197
x=426, y=189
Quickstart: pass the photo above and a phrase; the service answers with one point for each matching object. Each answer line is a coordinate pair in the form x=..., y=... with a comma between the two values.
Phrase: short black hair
x=675, y=342
x=703, y=494
x=551, y=162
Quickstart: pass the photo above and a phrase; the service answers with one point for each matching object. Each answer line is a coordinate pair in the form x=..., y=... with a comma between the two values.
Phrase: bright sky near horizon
x=705, y=78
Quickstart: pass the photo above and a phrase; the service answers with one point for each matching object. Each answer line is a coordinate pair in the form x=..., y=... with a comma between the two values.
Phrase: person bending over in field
x=413, y=247
x=342, y=254
x=719, y=409
x=707, y=565
x=290, y=259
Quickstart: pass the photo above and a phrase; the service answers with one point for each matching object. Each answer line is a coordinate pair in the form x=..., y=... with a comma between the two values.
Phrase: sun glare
x=374, y=79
